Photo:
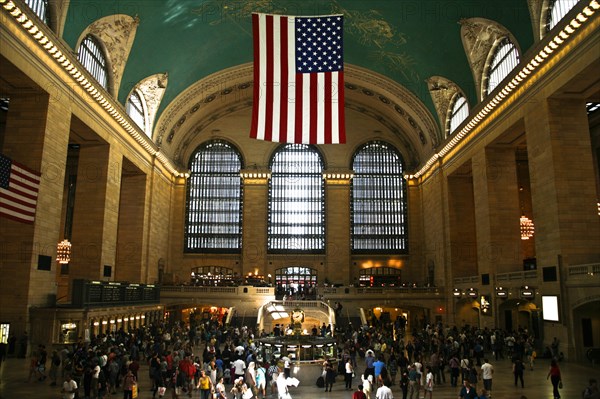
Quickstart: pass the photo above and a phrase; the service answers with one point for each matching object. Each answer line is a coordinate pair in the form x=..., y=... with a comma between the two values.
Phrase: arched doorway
x=586, y=328
x=296, y=282
x=515, y=314
x=467, y=312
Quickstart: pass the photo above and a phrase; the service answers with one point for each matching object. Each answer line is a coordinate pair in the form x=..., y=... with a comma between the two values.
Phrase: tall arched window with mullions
x=505, y=57
x=557, y=9
x=40, y=8
x=378, y=205
x=214, y=199
x=296, y=201
x=93, y=59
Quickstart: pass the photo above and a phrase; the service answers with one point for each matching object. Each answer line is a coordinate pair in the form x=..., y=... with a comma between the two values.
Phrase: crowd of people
x=225, y=362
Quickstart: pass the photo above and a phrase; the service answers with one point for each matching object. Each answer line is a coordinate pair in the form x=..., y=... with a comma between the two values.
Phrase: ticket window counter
x=69, y=332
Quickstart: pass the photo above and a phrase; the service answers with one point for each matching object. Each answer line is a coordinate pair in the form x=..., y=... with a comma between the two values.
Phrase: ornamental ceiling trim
x=233, y=86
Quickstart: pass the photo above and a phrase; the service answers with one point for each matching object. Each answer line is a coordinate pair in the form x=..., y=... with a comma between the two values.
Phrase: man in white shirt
x=384, y=392
x=240, y=367
x=69, y=388
x=487, y=370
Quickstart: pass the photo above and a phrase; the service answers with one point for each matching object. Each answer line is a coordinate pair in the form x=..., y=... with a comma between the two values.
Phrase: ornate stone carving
x=116, y=32
x=153, y=88
x=535, y=12
x=478, y=37
x=442, y=92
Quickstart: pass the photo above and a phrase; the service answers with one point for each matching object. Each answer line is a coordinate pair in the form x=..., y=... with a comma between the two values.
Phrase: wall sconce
x=456, y=293
x=63, y=252
x=527, y=292
x=501, y=292
x=472, y=293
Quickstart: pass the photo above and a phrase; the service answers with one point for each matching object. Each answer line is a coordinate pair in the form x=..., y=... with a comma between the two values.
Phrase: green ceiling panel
x=407, y=41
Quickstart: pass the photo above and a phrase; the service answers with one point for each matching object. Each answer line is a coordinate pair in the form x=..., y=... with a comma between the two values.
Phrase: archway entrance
x=515, y=314
x=586, y=327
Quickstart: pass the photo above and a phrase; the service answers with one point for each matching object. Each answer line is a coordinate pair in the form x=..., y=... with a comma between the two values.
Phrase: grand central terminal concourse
x=313, y=185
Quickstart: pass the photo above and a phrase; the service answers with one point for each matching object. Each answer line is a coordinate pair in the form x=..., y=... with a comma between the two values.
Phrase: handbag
x=134, y=391
x=161, y=391
x=560, y=385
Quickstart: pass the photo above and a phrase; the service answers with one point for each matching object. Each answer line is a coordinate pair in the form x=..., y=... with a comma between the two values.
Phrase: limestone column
x=497, y=212
x=337, y=239
x=130, y=234
x=461, y=226
x=36, y=136
x=254, y=231
x=96, y=212
x=563, y=183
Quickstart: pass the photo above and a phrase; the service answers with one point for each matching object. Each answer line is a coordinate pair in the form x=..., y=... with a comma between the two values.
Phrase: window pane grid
x=296, y=200
x=135, y=109
x=214, y=205
x=504, y=61
x=557, y=10
x=378, y=207
x=92, y=59
x=460, y=111
x=40, y=8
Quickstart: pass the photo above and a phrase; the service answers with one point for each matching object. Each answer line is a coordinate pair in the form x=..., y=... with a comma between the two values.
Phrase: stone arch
x=115, y=33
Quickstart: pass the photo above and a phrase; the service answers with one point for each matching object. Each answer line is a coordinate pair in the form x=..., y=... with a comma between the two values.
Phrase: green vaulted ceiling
x=407, y=41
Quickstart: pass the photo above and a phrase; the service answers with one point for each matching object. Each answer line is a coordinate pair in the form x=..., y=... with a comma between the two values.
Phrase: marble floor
x=13, y=385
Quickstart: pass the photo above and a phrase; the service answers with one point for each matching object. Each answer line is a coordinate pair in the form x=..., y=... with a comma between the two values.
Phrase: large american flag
x=18, y=191
x=298, y=79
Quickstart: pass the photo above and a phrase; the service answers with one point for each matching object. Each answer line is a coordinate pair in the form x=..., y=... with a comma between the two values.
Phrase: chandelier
x=63, y=252
x=527, y=227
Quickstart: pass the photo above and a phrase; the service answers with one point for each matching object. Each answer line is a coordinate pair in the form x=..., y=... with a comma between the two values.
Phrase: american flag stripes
x=18, y=191
x=298, y=79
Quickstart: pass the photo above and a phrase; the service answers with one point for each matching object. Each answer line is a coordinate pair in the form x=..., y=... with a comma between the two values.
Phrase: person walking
x=487, y=371
x=69, y=388
x=205, y=385
x=349, y=374
x=384, y=391
x=454, y=365
x=518, y=368
x=467, y=391
x=428, y=383
x=329, y=375
x=128, y=382
x=555, y=378
x=359, y=394
x=413, y=383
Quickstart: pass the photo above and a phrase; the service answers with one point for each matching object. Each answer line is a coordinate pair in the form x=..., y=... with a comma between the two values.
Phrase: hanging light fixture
x=527, y=227
x=63, y=252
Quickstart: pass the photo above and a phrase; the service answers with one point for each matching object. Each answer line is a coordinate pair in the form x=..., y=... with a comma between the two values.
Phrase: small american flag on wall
x=298, y=79
x=19, y=187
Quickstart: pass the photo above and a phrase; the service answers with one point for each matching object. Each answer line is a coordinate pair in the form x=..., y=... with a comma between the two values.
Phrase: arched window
x=214, y=200
x=136, y=109
x=93, y=59
x=40, y=8
x=460, y=111
x=557, y=9
x=504, y=60
x=296, y=201
x=378, y=205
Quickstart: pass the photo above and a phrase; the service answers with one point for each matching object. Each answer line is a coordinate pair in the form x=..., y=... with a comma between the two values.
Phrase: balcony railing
x=590, y=269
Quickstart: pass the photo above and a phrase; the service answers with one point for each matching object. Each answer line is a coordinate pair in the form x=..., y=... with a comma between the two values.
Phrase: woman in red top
x=554, y=375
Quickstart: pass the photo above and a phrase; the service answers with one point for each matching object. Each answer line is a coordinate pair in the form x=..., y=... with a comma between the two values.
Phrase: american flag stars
x=319, y=44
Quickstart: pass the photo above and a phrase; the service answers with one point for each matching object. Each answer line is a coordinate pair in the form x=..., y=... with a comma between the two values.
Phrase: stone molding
x=443, y=91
